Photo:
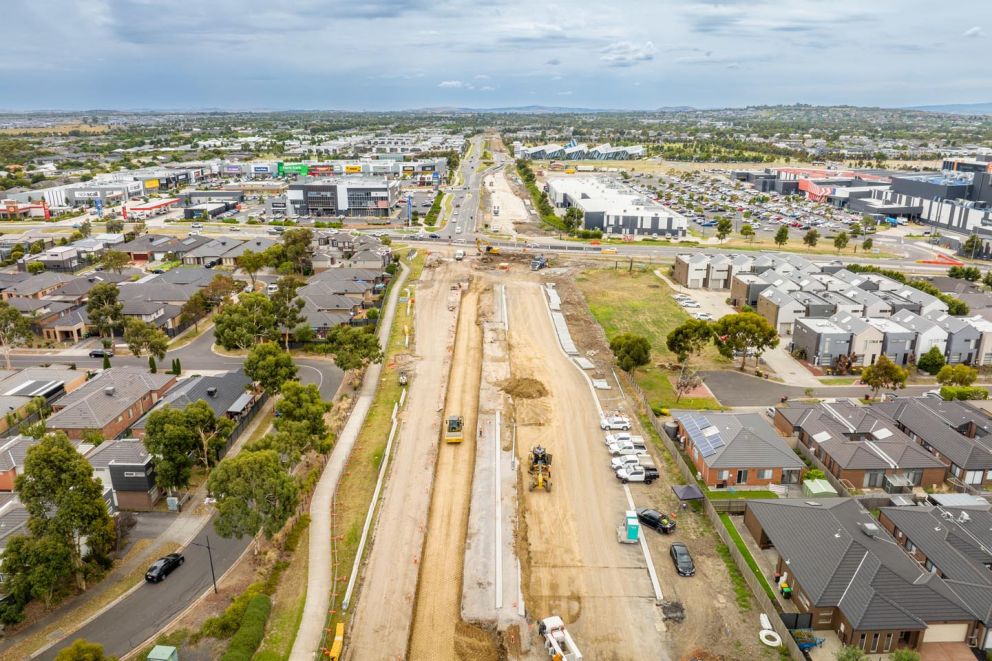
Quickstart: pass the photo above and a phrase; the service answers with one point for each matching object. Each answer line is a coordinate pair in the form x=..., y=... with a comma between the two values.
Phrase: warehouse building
x=355, y=196
x=615, y=209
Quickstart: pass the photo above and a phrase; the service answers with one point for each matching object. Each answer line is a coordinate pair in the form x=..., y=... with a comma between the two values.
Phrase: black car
x=434, y=236
x=654, y=519
x=100, y=353
x=682, y=560
x=163, y=567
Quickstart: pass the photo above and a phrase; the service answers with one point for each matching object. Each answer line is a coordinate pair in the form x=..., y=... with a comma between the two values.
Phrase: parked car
x=101, y=353
x=617, y=449
x=682, y=560
x=637, y=473
x=664, y=523
x=622, y=437
x=615, y=422
x=433, y=235
x=626, y=460
x=163, y=567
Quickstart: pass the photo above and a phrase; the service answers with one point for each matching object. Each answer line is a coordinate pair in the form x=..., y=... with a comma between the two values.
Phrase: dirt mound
x=524, y=388
x=473, y=643
x=699, y=654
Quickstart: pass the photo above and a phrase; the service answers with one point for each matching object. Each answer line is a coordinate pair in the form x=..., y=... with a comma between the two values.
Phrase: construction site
x=501, y=527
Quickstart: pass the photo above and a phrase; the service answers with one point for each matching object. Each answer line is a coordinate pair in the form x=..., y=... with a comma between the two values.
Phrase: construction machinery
x=557, y=641
x=538, y=263
x=539, y=467
x=454, y=430
x=486, y=248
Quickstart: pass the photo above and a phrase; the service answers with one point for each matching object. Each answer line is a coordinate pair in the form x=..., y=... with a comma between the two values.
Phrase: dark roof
x=917, y=418
x=842, y=557
x=90, y=407
x=230, y=386
x=185, y=275
x=687, y=492
x=738, y=440
x=123, y=451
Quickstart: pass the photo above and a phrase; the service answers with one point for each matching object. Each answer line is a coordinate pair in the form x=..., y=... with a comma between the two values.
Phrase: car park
x=164, y=566
x=682, y=559
x=663, y=523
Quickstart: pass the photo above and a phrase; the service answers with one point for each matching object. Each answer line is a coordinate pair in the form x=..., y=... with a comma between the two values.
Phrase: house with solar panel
x=737, y=450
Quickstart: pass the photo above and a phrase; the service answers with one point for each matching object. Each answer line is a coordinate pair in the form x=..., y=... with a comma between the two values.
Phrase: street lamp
x=210, y=556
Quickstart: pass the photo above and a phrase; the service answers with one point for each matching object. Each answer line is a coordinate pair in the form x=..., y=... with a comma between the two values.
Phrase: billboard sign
x=151, y=183
x=319, y=170
x=407, y=168
x=87, y=194
x=98, y=203
x=352, y=169
x=261, y=169
x=296, y=168
x=436, y=178
x=232, y=168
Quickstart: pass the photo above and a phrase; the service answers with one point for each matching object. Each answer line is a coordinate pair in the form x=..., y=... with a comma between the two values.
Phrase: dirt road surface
x=380, y=626
x=438, y=632
x=572, y=563
x=511, y=207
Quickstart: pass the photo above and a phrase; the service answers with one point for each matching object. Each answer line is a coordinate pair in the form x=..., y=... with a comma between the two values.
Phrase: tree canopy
x=104, y=309
x=631, y=351
x=246, y=323
x=142, y=337
x=744, y=333
x=253, y=493
x=884, y=374
x=15, y=330
x=270, y=366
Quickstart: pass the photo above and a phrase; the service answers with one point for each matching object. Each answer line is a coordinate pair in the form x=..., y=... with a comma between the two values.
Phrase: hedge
x=963, y=392
x=249, y=635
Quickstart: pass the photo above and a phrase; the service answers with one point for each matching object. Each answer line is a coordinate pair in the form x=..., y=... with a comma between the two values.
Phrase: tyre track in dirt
x=571, y=561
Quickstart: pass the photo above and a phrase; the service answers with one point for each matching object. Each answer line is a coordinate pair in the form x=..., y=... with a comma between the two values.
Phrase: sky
x=408, y=54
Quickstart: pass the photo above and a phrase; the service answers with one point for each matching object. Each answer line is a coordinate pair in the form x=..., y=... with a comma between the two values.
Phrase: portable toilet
x=163, y=653
x=629, y=531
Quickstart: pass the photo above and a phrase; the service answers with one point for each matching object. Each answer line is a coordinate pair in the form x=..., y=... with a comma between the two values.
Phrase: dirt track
x=438, y=632
x=380, y=626
x=572, y=563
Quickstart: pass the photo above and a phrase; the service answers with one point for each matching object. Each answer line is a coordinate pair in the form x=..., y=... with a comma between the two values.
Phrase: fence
x=243, y=422
x=710, y=507
x=830, y=477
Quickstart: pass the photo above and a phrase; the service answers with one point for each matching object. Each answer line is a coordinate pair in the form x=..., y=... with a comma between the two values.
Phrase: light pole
x=210, y=556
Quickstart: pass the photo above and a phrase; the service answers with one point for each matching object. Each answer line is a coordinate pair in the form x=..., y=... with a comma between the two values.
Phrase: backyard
x=638, y=302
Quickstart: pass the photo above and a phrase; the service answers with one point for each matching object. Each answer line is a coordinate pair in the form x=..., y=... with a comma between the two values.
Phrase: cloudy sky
x=401, y=54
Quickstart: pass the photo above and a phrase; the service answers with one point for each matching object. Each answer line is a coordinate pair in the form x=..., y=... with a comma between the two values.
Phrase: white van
x=271, y=289
x=459, y=255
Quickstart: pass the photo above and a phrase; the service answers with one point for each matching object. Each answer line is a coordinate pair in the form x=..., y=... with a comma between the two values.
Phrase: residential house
x=866, y=340
x=718, y=272
x=871, y=304
x=126, y=466
x=780, y=309
x=929, y=304
x=212, y=253
x=745, y=287
x=984, y=354
x=325, y=309
x=928, y=333
x=815, y=306
x=861, y=447
x=852, y=577
x=829, y=282
x=738, y=450
x=13, y=450
x=842, y=304
x=897, y=340
x=963, y=337
x=155, y=247
x=690, y=270
x=109, y=403
x=260, y=244
x=820, y=341
x=13, y=519
x=62, y=259
x=36, y=286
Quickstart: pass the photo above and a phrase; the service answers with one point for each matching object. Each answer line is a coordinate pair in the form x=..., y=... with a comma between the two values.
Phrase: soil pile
x=524, y=388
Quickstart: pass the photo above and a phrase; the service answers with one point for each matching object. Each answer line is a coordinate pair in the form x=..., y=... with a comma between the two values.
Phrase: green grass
x=748, y=558
x=724, y=494
x=840, y=381
x=638, y=302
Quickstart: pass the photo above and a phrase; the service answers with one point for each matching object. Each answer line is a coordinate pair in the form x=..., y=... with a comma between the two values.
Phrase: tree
x=246, y=323
x=115, y=260
x=85, y=228
x=972, y=246
x=867, y=244
x=253, y=493
x=904, y=654
x=15, y=330
x=848, y=653
x=855, y=229
x=302, y=403
x=287, y=307
x=747, y=231
x=34, y=268
x=115, y=225
x=64, y=501
x=210, y=431
x=689, y=338
x=744, y=333
x=142, y=337
x=299, y=250
x=152, y=367
x=83, y=650
x=251, y=262
x=782, y=236
x=290, y=441
x=353, y=347
x=723, y=228
x=194, y=309
x=987, y=279
x=172, y=445
x=220, y=289
x=631, y=351
x=932, y=361
x=884, y=374
x=573, y=218
x=270, y=366
x=103, y=308
x=811, y=238
x=957, y=375
x=841, y=241
x=36, y=568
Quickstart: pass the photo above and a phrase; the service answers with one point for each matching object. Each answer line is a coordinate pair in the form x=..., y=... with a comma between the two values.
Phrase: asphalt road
x=732, y=388
x=151, y=607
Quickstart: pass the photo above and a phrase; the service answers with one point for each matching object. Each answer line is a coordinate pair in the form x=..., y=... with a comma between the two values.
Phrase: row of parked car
x=689, y=303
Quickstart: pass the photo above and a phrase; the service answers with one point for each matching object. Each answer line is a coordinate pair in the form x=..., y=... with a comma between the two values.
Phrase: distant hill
x=958, y=108
x=523, y=110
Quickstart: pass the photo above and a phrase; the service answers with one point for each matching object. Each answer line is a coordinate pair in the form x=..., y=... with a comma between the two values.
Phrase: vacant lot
x=638, y=302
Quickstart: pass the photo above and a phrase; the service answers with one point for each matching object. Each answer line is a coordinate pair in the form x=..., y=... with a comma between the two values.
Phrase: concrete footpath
x=319, y=573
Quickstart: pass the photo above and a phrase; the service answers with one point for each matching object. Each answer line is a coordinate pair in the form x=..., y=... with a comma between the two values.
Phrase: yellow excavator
x=486, y=248
x=539, y=467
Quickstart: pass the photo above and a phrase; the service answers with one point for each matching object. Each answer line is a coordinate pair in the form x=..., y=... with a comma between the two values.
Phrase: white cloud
x=451, y=84
x=566, y=93
x=734, y=65
x=974, y=32
x=627, y=53
x=487, y=88
x=481, y=76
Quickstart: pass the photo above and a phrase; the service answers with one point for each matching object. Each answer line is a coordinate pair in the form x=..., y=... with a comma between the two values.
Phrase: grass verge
x=748, y=494
x=287, y=605
x=840, y=381
x=638, y=302
x=748, y=558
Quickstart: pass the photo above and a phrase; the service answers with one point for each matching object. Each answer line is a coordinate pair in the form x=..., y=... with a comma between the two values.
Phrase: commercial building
x=356, y=196
x=613, y=208
x=580, y=152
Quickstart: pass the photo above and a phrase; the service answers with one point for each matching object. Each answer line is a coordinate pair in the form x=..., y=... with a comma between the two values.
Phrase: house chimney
x=109, y=391
x=212, y=391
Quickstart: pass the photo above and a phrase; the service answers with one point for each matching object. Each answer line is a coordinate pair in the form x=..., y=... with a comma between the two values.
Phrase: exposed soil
x=524, y=388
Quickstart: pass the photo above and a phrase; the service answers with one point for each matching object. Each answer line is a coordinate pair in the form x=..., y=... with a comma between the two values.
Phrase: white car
x=615, y=423
x=627, y=460
x=619, y=437
x=617, y=449
x=637, y=474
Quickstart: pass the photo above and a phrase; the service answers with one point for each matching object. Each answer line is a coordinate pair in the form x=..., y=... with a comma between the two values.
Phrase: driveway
x=732, y=388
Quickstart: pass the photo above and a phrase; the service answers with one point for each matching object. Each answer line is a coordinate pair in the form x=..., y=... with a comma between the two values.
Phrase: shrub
x=227, y=623
x=963, y=392
x=932, y=361
x=249, y=635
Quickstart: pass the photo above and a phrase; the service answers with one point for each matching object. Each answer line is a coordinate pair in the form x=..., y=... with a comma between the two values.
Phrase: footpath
x=319, y=579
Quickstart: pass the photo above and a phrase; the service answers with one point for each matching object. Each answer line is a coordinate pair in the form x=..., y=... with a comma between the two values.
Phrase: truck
x=637, y=474
x=617, y=449
x=558, y=642
x=538, y=263
x=623, y=437
x=627, y=460
x=615, y=423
